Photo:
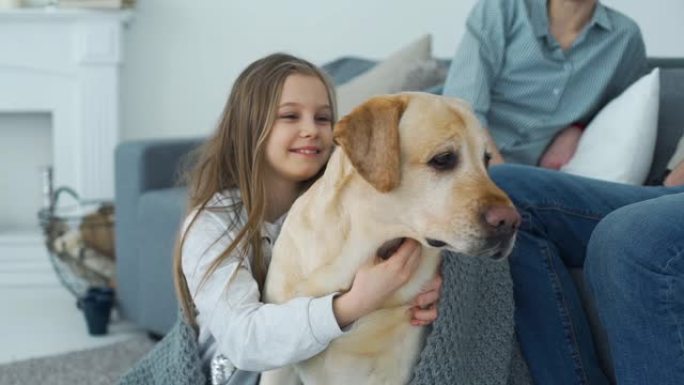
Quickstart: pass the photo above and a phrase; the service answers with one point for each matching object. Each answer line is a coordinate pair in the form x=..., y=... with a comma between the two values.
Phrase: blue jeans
x=559, y=213
x=635, y=268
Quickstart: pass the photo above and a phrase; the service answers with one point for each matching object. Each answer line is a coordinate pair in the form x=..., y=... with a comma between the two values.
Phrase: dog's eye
x=443, y=162
x=487, y=158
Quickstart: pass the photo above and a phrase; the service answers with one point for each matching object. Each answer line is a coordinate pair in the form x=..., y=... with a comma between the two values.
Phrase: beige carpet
x=100, y=366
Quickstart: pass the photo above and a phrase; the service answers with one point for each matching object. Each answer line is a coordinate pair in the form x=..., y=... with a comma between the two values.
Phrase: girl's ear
x=369, y=136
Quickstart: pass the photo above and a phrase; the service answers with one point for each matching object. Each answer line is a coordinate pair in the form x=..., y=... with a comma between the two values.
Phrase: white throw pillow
x=386, y=77
x=619, y=142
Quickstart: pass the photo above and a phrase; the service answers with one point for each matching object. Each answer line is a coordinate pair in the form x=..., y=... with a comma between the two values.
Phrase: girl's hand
x=376, y=282
x=424, y=310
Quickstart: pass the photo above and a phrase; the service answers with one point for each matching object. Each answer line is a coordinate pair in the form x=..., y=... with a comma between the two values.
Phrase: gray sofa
x=150, y=204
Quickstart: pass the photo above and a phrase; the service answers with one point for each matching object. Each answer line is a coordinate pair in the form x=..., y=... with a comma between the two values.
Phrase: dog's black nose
x=435, y=242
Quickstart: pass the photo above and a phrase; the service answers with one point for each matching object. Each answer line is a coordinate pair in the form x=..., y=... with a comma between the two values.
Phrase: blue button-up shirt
x=524, y=88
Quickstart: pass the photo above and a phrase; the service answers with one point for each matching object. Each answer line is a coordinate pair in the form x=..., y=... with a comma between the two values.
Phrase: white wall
x=182, y=56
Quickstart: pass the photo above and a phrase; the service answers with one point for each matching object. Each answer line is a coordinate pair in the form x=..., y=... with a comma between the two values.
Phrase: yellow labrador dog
x=410, y=165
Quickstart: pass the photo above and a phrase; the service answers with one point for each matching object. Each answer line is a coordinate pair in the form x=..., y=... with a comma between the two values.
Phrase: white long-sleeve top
x=232, y=321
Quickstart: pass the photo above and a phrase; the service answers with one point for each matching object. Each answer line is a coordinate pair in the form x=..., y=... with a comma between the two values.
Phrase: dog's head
x=423, y=159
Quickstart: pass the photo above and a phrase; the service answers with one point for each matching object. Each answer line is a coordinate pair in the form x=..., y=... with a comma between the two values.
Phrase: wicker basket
x=79, y=238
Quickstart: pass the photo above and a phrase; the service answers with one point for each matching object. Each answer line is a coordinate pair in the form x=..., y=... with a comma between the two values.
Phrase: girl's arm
x=257, y=336
x=252, y=335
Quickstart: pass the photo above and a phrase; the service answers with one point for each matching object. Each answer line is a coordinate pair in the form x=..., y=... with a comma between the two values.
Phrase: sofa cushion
x=344, y=69
x=389, y=76
x=425, y=75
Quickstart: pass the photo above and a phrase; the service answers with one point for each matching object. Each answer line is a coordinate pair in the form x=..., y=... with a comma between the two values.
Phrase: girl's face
x=300, y=141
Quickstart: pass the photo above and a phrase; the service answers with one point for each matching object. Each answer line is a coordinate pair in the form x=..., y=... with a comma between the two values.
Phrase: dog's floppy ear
x=369, y=135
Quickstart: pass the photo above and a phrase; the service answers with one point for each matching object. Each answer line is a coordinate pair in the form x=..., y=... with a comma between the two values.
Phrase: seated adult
x=537, y=71
x=632, y=238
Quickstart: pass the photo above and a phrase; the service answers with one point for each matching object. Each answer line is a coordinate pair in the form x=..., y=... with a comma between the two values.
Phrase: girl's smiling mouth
x=306, y=151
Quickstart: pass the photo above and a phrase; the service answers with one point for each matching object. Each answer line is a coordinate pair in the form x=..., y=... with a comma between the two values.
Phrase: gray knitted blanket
x=174, y=360
x=472, y=342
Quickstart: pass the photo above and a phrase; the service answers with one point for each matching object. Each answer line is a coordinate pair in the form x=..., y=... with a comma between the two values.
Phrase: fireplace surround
x=66, y=63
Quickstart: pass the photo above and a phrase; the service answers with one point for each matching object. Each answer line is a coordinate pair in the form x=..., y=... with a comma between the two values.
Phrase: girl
x=273, y=140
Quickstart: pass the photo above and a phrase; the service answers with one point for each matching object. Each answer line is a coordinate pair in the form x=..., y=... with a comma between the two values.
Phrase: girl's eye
x=288, y=116
x=444, y=161
x=324, y=119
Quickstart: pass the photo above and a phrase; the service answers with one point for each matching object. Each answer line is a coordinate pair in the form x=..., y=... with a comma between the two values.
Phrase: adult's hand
x=676, y=177
x=561, y=150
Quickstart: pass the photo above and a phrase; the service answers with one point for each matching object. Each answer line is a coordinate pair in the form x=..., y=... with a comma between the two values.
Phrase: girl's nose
x=308, y=128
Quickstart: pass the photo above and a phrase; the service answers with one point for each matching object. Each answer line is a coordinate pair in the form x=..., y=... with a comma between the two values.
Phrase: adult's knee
x=605, y=247
x=521, y=183
x=626, y=241
x=606, y=270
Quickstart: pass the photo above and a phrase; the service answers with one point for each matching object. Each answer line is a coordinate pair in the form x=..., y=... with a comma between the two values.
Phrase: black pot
x=97, y=306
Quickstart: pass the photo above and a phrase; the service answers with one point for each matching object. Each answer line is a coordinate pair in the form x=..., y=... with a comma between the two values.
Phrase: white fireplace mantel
x=67, y=63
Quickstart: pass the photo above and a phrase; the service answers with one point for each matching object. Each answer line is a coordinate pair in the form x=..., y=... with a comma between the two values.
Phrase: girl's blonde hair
x=233, y=158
